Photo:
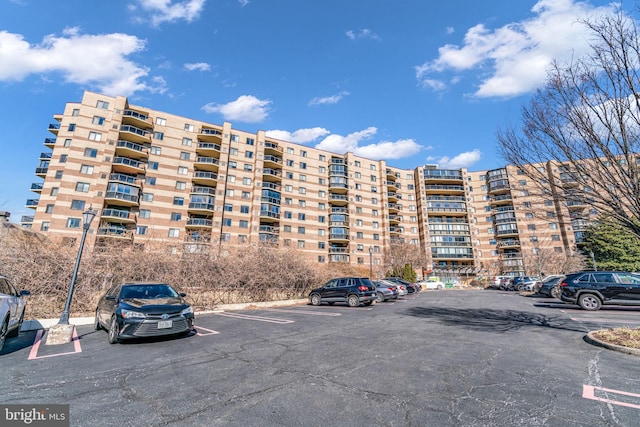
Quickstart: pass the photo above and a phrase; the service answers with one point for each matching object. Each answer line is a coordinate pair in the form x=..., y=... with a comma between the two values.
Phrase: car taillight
x=363, y=288
x=402, y=287
x=564, y=284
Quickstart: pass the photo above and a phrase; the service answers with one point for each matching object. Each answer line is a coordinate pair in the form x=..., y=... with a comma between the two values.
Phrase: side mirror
x=182, y=294
x=25, y=293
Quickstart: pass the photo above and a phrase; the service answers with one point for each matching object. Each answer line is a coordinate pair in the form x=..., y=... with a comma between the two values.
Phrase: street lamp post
x=370, y=263
x=87, y=217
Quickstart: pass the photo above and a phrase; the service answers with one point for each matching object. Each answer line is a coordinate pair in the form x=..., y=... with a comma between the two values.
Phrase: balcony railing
x=115, y=232
x=201, y=206
x=133, y=129
x=49, y=141
x=269, y=214
x=135, y=115
x=116, y=213
x=122, y=196
x=204, y=131
x=132, y=146
x=26, y=219
x=269, y=229
x=208, y=146
x=205, y=175
x=200, y=222
x=36, y=186
x=203, y=190
x=32, y=202
x=128, y=162
x=120, y=177
x=41, y=171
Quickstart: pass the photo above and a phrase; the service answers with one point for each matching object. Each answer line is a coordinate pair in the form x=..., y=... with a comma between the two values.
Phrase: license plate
x=164, y=324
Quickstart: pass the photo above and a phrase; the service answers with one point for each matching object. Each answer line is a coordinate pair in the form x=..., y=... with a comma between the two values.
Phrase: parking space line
x=33, y=354
x=313, y=313
x=209, y=331
x=589, y=392
x=256, y=318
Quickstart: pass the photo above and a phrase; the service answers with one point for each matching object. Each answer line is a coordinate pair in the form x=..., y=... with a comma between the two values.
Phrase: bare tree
x=584, y=126
x=401, y=253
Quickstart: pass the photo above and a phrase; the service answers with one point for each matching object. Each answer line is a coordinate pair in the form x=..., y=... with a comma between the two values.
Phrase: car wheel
x=379, y=297
x=589, y=302
x=315, y=299
x=353, y=300
x=16, y=331
x=96, y=323
x=114, y=331
x=3, y=333
x=556, y=292
x=439, y=287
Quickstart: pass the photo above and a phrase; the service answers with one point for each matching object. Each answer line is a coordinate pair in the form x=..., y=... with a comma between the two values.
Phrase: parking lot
x=445, y=358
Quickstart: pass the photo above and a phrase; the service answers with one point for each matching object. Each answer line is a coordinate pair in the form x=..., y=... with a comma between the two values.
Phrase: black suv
x=591, y=289
x=352, y=290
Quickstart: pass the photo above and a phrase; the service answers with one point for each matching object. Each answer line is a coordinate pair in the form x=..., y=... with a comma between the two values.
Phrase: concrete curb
x=34, y=325
x=595, y=341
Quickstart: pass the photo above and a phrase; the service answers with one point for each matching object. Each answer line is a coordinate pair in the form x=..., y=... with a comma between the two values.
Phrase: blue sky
x=410, y=81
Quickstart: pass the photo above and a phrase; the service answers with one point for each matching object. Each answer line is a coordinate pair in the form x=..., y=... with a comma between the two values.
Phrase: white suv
x=11, y=310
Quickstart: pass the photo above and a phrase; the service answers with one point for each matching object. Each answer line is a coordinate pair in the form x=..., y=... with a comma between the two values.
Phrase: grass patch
x=626, y=337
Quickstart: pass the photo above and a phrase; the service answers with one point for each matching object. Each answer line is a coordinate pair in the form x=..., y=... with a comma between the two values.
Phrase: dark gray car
x=351, y=290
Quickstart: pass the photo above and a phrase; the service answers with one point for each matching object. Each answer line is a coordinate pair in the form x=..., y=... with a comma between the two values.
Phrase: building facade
x=158, y=178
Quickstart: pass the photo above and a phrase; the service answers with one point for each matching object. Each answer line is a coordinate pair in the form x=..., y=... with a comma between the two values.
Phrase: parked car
x=522, y=283
x=385, y=291
x=402, y=289
x=432, y=284
x=411, y=287
x=351, y=290
x=549, y=286
x=136, y=310
x=592, y=289
x=496, y=281
x=12, y=305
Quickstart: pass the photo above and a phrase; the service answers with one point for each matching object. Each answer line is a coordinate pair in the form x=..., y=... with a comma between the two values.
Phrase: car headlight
x=188, y=310
x=130, y=314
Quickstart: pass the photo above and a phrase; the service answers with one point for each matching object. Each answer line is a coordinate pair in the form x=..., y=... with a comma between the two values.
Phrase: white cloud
x=301, y=136
x=519, y=53
x=334, y=99
x=450, y=30
x=167, y=10
x=243, y=3
x=246, y=108
x=199, y=66
x=380, y=150
x=362, y=34
x=93, y=60
x=462, y=160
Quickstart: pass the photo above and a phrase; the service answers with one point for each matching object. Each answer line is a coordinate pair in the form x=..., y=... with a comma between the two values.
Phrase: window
x=178, y=201
x=97, y=120
x=244, y=223
x=233, y=165
x=244, y=209
x=176, y=216
x=67, y=143
x=526, y=204
x=77, y=205
x=289, y=162
x=49, y=209
x=290, y=150
x=147, y=197
x=248, y=154
x=288, y=201
x=359, y=234
x=235, y=138
x=321, y=206
x=158, y=135
x=102, y=105
x=321, y=218
x=302, y=190
x=72, y=127
x=228, y=207
x=246, y=195
x=44, y=226
x=63, y=158
x=73, y=222
x=322, y=158
x=86, y=169
x=303, y=165
x=54, y=191
x=250, y=141
x=301, y=230
x=410, y=186
x=82, y=187
x=376, y=236
x=226, y=222
x=289, y=175
x=287, y=229
x=248, y=167
x=229, y=193
x=322, y=193
x=150, y=180
x=288, y=188
x=187, y=141
x=551, y=214
x=358, y=198
x=174, y=232
x=303, y=177
x=231, y=178
x=528, y=215
x=301, y=244
x=374, y=212
x=548, y=202
x=95, y=136
x=160, y=121
x=373, y=178
x=358, y=186
x=322, y=181
x=141, y=229
x=374, y=201
x=376, y=224
x=246, y=181
x=302, y=203
x=287, y=215
x=302, y=216
x=90, y=152
x=372, y=167
x=531, y=227
x=553, y=225
x=181, y=185
x=321, y=232
x=144, y=213
x=188, y=127
x=357, y=163
x=303, y=153
x=321, y=245
x=184, y=155
x=182, y=170
x=156, y=150
x=233, y=151
x=153, y=165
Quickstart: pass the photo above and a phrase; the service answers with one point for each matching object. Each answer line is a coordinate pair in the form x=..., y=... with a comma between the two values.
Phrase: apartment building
x=163, y=179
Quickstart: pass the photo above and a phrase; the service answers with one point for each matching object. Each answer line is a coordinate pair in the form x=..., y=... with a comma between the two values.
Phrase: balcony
x=395, y=230
x=339, y=250
x=497, y=175
x=507, y=232
x=32, y=203
x=390, y=175
x=199, y=223
x=121, y=198
x=511, y=243
x=197, y=237
x=272, y=148
x=272, y=161
x=499, y=187
x=201, y=208
x=275, y=186
x=442, y=175
x=339, y=258
x=440, y=209
x=127, y=165
x=272, y=175
x=49, y=142
x=336, y=210
x=269, y=216
x=36, y=187
x=394, y=207
x=210, y=135
x=394, y=219
x=115, y=232
x=205, y=178
x=134, y=134
x=269, y=229
x=41, y=172
x=45, y=156
x=339, y=237
x=209, y=191
x=392, y=196
x=338, y=199
x=117, y=215
x=207, y=163
x=502, y=199
x=54, y=128
x=131, y=149
x=444, y=189
x=125, y=179
x=136, y=118
x=25, y=219
x=339, y=187
x=208, y=149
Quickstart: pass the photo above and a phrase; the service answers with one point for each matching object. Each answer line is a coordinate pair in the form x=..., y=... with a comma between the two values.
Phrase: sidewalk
x=34, y=325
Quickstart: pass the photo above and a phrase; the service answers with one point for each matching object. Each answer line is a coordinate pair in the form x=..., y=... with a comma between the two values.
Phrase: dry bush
x=220, y=275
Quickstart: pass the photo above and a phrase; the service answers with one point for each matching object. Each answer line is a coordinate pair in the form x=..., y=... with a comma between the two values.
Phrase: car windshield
x=629, y=278
x=147, y=291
